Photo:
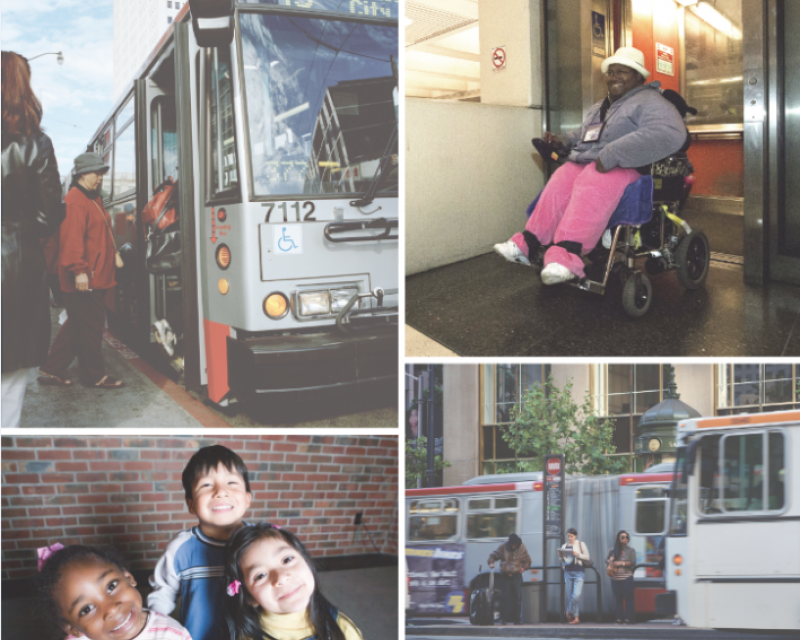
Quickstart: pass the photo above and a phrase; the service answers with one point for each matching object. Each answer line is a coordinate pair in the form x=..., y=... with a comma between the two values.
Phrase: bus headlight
x=314, y=303
x=340, y=298
x=276, y=305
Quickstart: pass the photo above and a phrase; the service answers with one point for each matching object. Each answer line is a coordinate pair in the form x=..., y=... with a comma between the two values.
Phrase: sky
x=77, y=95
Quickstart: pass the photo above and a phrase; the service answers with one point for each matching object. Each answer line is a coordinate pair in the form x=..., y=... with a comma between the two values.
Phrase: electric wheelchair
x=646, y=225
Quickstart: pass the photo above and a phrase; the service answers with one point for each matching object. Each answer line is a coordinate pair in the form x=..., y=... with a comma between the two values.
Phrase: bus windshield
x=321, y=104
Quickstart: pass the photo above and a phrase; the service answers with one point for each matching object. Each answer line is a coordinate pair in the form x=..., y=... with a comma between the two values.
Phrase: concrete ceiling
x=442, y=49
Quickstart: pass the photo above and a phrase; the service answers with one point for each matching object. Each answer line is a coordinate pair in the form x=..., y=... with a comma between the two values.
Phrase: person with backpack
x=574, y=556
x=514, y=561
x=32, y=209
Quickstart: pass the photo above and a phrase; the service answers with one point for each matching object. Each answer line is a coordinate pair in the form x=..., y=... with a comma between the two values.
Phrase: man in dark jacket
x=32, y=209
x=515, y=560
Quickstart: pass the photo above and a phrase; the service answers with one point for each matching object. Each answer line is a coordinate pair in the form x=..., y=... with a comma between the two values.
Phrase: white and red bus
x=463, y=524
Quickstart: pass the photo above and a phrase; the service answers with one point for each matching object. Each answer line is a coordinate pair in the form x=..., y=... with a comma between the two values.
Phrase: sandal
x=107, y=382
x=575, y=621
x=49, y=378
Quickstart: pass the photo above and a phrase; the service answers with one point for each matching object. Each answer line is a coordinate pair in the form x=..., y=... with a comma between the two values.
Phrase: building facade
x=478, y=398
x=138, y=26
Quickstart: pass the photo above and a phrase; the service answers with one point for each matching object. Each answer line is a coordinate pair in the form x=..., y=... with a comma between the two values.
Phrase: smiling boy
x=217, y=492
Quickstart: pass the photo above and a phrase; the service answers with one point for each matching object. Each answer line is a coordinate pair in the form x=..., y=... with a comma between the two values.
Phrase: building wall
x=138, y=26
x=473, y=171
x=461, y=395
x=127, y=492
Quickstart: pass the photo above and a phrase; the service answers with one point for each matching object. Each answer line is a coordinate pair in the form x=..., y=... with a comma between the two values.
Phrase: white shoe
x=607, y=239
x=164, y=336
x=511, y=252
x=555, y=273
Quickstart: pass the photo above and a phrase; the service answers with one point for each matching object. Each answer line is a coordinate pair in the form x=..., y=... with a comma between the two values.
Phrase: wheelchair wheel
x=692, y=260
x=637, y=294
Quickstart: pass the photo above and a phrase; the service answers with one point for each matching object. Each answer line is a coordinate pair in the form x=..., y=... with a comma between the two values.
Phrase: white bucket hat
x=628, y=56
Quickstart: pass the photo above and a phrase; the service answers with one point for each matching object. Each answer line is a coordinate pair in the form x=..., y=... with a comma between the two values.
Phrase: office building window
x=169, y=4
x=623, y=392
x=752, y=388
x=502, y=387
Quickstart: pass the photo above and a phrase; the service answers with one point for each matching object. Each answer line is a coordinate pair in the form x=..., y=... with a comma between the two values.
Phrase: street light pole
x=60, y=57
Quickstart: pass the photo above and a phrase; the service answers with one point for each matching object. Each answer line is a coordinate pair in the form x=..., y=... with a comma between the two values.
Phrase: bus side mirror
x=212, y=22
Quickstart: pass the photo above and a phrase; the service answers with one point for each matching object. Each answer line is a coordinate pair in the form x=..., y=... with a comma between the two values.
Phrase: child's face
x=99, y=600
x=277, y=577
x=219, y=500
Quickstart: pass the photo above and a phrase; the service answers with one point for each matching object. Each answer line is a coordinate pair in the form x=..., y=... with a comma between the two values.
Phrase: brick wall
x=127, y=492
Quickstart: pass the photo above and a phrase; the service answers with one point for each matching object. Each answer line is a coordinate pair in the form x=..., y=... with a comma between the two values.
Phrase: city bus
x=733, y=548
x=277, y=120
x=466, y=523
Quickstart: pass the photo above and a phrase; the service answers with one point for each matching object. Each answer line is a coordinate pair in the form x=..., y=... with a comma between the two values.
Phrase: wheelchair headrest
x=680, y=104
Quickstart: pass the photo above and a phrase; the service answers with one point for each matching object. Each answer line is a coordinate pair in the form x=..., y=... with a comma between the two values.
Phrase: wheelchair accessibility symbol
x=288, y=239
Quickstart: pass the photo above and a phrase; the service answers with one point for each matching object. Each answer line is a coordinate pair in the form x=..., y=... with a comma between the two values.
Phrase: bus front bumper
x=305, y=362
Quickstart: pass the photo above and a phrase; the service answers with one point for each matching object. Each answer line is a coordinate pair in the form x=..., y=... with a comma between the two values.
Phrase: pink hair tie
x=233, y=588
x=44, y=553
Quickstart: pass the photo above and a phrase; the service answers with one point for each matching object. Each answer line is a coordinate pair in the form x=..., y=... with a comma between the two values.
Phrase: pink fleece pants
x=575, y=206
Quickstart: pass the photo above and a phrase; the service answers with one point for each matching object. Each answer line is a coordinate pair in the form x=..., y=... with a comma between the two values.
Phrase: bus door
x=165, y=289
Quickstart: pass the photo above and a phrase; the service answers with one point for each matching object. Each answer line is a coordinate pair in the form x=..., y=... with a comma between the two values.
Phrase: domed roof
x=669, y=411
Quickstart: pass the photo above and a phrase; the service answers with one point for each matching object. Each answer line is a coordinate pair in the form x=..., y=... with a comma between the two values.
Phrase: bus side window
x=222, y=147
x=651, y=505
x=164, y=139
x=708, y=476
x=432, y=520
x=777, y=473
x=492, y=517
x=743, y=472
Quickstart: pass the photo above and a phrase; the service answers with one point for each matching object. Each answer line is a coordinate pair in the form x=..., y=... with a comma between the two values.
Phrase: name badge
x=592, y=133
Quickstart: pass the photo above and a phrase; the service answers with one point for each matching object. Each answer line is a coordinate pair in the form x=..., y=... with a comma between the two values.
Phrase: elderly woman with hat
x=632, y=127
x=86, y=270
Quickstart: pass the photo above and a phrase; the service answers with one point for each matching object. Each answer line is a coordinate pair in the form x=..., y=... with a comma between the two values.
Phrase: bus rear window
x=651, y=505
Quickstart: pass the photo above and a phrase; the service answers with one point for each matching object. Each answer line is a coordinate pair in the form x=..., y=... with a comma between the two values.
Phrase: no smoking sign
x=499, y=58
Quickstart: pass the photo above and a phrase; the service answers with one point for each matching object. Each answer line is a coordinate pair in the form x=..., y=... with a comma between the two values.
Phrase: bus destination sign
x=389, y=9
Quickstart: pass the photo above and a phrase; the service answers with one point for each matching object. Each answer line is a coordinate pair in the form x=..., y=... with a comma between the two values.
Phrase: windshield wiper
x=372, y=189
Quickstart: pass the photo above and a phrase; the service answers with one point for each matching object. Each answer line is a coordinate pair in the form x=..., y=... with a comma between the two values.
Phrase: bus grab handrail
x=343, y=319
x=387, y=224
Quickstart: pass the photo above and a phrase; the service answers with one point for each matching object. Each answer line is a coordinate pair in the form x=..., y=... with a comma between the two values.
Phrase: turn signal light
x=678, y=559
x=276, y=305
x=223, y=286
x=223, y=256
x=677, y=572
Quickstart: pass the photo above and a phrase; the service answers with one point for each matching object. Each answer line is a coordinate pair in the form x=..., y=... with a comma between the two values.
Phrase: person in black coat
x=32, y=209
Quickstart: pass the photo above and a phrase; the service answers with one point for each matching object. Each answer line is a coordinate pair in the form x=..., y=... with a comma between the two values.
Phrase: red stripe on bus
x=640, y=478
x=480, y=488
x=216, y=358
x=746, y=419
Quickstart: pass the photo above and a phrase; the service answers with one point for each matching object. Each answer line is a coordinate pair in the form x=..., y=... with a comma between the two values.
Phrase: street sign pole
x=554, y=507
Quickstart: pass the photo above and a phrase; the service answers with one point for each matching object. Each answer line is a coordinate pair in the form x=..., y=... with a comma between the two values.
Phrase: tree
x=548, y=420
x=417, y=462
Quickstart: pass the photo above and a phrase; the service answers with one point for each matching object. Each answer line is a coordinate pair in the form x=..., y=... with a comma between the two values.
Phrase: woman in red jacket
x=86, y=272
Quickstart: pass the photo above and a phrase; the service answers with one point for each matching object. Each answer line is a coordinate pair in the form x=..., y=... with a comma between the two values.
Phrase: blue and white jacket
x=193, y=568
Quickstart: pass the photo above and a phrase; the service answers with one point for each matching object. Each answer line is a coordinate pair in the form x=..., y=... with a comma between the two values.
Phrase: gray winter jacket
x=640, y=128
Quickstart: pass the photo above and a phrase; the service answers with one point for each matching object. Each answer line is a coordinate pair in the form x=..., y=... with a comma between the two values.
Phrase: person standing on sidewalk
x=573, y=554
x=86, y=270
x=621, y=560
x=32, y=209
x=514, y=561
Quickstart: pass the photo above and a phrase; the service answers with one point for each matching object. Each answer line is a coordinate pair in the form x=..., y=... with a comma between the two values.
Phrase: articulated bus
x=282, y=137
x=733, y=548
x=462, y=525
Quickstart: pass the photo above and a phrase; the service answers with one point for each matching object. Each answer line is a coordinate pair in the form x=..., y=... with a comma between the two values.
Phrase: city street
x=460, y=629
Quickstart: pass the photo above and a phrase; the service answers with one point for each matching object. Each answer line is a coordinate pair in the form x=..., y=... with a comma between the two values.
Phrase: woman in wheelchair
x=632, y=127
